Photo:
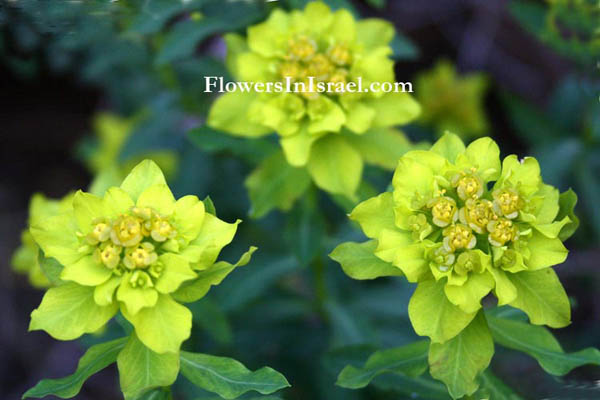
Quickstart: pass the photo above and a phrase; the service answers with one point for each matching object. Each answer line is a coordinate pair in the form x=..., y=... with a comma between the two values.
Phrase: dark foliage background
x=277, y=312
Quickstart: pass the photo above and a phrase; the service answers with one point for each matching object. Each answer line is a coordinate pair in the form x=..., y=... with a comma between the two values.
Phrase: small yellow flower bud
x=140, y=256
x=502, y=230
x=340, y=54
x=458, y=237
x=292, y=70
x=109, y=255
x=126, y=231
x=320, y=68
x=442, y=259
x=100, y=233
x=476, y=214
x=466, y=262
x=443, y=210
x=468, y=185
x=507, y=202
x=301, y=49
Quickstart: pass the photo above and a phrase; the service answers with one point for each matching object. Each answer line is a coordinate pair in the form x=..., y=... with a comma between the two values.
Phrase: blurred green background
x=93, y=85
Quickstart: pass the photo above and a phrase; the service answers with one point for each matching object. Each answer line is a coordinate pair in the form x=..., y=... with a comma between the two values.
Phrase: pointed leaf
x=359, y=261
x=409, y=360
x=95, y=359
x=538, y=342
x=458, y=361
x=227, y=377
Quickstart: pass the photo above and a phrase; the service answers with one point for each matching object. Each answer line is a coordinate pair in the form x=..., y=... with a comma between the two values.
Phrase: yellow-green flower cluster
x=452, y=102
x=136, y=249
x=331, y=47
x=461, y=223
x=26, y=258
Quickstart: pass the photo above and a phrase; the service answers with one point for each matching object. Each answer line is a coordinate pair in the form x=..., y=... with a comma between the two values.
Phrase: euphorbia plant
x=139, y=251
x=326, y=136
x=462, y=224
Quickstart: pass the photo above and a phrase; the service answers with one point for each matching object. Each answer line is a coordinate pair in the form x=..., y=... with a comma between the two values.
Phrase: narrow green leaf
x=359, y=261
x=182, y=40
x=458, y=361
x=409, y=360
x=275, y=184
x=228, y=377
x=420, y=387
x=539, y=343
x=157, y=394
x=95, y=359
x=141, y=369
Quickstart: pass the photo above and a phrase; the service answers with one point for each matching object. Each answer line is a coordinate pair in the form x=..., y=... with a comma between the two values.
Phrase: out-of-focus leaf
x=531, y=15
x=181, y=42
x=275, y=184
x=533, y=125
x=305, y=229
x=247, y=285
x=419, y=387
x=588, y=186
x=493, y=388
x=377, y=3
x=557, y=158
x=227, y=377
x=154, y=14
x=403, y=48
x=95, y=359
x=409, y=360
x=212, y=141
x=208, y=315
x=539, y=343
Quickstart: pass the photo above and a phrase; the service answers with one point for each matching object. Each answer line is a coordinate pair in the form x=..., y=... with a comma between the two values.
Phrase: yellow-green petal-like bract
x=130, y=250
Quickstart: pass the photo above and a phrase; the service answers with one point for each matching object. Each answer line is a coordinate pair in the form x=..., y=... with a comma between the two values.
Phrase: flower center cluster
x=466, y=212
x=130, y=243
x=304, y=59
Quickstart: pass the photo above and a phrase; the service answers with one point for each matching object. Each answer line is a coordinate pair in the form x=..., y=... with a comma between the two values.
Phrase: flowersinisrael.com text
x=310, y=85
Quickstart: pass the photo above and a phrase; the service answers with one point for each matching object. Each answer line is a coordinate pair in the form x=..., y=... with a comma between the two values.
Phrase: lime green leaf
x=275, y=184
x=87, y=271
x=541, y=296
x=68, y=311
x=449, y=146
x=163, y=327
x=567, y=202
x=381, y=146
x=431, y=314
x=539, y=343
x=468, y=296
x=159, y=197
x=545, y=252
x=227, y=377
x=57, y=237
x=394, y=109
x=86, y=208
x=144, y=175
x=141, y=369
x=230, y=114
x=196, y=289
x=458, y=361
x=214, y=235
x=335, y=166
x=409, y=360
x=359, y=261
x=96, y=358
x=374, y=32
x=177, y=270
x=375, y=214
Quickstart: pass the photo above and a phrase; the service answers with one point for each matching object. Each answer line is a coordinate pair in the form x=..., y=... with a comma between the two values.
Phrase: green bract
x=25, y=258
x=452, y=102
x=136, y=249
x=462, y=224
x=317, y=130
